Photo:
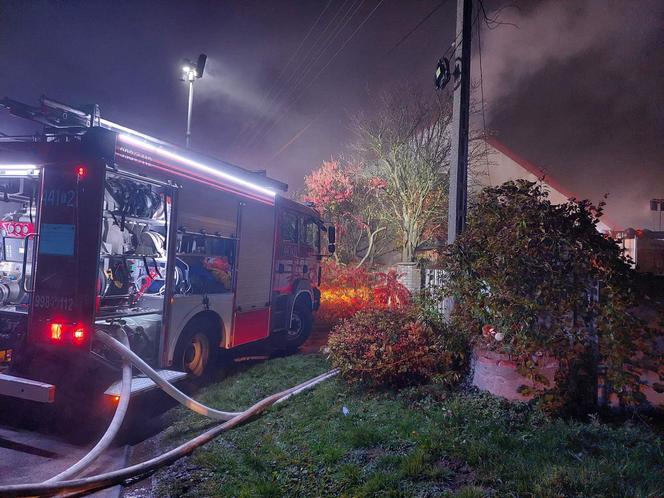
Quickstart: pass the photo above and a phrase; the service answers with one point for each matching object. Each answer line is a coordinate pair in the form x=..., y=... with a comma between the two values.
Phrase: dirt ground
x=317, y=340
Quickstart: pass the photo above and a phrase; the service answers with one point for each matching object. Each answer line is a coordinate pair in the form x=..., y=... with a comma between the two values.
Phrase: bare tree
x=368, y=215
x=406, y=143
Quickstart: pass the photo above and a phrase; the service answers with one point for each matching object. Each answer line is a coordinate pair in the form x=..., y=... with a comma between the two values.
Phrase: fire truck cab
x=105, y=228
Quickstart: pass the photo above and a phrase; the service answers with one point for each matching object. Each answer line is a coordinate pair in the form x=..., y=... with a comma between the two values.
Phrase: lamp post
x=190, y=73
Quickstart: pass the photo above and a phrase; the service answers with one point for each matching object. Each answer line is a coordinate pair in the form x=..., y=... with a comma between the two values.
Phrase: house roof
x=540, y=173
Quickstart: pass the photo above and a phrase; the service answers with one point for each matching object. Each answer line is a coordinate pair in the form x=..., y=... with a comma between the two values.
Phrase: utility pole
x=458, y=193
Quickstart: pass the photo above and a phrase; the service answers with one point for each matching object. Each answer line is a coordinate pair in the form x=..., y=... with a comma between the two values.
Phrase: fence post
x=409, y=276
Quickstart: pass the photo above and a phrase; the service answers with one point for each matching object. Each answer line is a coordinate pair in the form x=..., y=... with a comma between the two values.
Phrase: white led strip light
x=114, y=126
x=194, y=164
x=19, y=169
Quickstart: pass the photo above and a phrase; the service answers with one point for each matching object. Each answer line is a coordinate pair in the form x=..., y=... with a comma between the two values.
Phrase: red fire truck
x=105, y=228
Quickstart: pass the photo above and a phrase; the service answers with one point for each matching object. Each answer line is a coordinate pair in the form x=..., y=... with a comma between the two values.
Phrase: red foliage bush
x=389, y=347
x=345, y=290
x=389, y=292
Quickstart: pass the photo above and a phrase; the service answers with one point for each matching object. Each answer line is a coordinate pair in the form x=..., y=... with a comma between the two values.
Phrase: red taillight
x=56, y=331
x=67, y=333
x=81, y=171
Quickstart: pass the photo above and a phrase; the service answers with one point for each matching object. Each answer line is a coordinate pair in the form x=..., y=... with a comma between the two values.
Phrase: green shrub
x=532, y=277
x=394, y=348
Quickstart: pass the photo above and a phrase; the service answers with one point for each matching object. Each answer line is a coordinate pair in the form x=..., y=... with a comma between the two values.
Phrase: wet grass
x=420, y=442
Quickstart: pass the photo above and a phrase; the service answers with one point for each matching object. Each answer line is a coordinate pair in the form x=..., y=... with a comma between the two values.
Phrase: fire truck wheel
x=196, y=350
x=301, y=325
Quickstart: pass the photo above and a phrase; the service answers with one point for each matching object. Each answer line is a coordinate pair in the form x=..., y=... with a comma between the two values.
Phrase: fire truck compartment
x=17, y=226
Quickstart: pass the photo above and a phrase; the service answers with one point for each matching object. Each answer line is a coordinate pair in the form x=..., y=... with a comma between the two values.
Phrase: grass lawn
x=421, y=442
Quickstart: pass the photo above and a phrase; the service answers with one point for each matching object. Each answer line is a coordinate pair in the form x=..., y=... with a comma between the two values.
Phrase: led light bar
x=116, y=127
x=19, y=169
x=209, y=170
x=18, y=166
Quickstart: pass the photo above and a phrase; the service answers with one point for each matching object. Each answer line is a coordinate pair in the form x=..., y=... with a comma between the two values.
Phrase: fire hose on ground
x=113, y=428
x=62, y=483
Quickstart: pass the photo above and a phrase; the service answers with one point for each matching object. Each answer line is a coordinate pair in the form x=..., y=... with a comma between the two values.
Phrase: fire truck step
x=32, y=390
x=141, y=383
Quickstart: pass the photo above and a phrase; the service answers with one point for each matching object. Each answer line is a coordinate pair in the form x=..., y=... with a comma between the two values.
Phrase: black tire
x=302, y=322
x=198, y=348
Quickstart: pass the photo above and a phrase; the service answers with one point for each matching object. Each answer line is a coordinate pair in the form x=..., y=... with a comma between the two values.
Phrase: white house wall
x=503, y=168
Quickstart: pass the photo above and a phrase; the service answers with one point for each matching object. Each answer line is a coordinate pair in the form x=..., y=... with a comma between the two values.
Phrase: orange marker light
x=56, y=331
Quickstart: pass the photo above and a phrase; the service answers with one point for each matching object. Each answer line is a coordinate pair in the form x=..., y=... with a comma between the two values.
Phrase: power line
x=346, y=20
x=250, y=130
x=457, y=39
x=270, y=103
x=486, y=148
x=493, y=22
x=276, y=82
x=346, y=42
x=416, y=27
x=330, y=61
x=304, y=67
x=343, y=23
x=294, y=137
x=301, y=44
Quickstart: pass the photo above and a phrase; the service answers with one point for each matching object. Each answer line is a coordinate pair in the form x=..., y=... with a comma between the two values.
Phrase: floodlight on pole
x=191, y=71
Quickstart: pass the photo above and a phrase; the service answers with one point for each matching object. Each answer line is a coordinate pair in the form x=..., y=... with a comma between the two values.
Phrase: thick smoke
x=554, y=32
x=223, y=84
x=577, y=88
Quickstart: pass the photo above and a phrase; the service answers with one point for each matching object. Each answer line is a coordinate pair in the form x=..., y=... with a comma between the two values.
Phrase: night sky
x=577, y=88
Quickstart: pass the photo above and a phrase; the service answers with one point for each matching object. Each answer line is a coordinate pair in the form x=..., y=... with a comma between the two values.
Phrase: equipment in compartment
x=12, y=332
x=11, y=265
x=142, y=332
x=126, y=280
x=133, y=248
x=17, y=211
x=207, y=262
x=17, y=187
x=129, y=198
x=10, y=291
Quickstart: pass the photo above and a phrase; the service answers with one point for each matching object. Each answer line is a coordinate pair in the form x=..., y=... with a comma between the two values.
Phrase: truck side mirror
x=332, y=239
x=331, y=234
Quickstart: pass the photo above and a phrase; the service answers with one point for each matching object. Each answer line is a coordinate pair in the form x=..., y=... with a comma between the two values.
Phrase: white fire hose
x=113, y=428
x=61, y=483
x=170, y=389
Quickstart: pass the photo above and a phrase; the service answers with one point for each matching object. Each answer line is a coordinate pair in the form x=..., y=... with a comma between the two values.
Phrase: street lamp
x=190, y=73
